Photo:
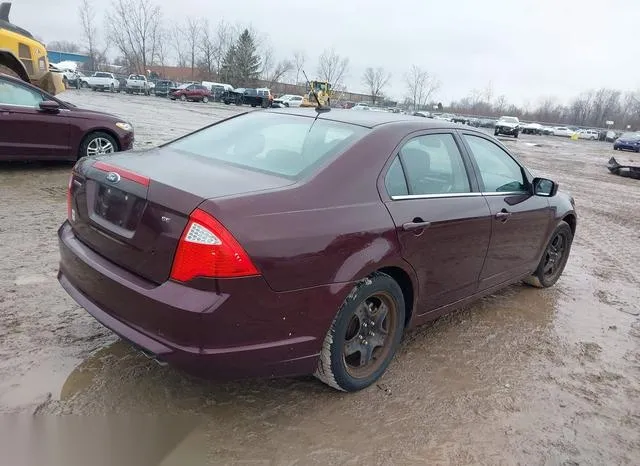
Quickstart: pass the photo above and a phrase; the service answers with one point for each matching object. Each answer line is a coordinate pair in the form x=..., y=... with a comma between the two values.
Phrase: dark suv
x=163, y=88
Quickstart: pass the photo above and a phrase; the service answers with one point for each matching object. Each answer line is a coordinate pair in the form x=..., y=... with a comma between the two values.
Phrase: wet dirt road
x=525, y=376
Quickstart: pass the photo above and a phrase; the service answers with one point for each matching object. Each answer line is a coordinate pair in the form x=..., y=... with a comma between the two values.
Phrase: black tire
x=84, y=85
x=183, y=98
x=226, y=102
x=205, y=100
x=551, y=266
x=112, y=88
x=515, y=135
x=83, y=152
x=286, y=104
x=495, y=133
x=335, y=367
x=253, y=105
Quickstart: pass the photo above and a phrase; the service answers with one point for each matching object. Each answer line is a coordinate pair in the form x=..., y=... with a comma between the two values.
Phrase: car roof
x=366, y=119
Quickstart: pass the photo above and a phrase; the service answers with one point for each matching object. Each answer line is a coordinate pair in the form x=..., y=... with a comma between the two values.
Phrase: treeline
x=591, y=108
x=139, y=35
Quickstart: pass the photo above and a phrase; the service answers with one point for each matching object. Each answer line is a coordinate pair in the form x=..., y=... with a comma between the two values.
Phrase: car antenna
x=319, y=108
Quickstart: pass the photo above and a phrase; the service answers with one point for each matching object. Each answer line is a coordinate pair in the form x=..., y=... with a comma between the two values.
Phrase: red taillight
x=207, y=249
x=124, y=173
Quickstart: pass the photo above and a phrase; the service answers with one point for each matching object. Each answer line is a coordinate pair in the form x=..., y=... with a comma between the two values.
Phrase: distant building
x=57, y=57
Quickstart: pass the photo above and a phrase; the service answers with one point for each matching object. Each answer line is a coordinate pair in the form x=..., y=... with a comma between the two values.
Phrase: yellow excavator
x=23, y=55
x=322, y=90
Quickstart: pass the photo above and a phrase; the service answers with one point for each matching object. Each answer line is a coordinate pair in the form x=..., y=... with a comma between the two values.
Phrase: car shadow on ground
x=52, y=165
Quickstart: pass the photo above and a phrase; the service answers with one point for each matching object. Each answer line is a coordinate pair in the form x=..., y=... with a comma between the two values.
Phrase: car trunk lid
x=133, y=207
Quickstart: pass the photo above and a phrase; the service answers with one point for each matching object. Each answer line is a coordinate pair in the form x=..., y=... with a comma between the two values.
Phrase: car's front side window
x=15, y=94
x=433, y=165
x=498, y=171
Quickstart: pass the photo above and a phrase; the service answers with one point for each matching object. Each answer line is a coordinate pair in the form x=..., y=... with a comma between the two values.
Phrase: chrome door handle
x=503, y=215
x=415, y=225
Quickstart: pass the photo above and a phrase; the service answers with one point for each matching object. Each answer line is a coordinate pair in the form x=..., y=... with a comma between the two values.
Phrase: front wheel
x=364, y=335
x=112, y=88
x=554, y=259
x=515, y=135
x=97, y=143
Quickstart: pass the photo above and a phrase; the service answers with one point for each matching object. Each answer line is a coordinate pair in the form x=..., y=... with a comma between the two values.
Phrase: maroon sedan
x=281, y=243
x=37, y=126
x=194, y=92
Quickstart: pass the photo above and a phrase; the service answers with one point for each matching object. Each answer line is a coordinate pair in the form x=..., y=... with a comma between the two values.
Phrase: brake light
x=208, y=249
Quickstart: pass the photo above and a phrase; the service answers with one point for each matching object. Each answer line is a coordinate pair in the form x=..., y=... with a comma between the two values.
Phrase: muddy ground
x=525, y=376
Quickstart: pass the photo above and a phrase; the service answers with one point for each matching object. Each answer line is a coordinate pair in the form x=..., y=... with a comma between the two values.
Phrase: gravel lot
x=524, y=376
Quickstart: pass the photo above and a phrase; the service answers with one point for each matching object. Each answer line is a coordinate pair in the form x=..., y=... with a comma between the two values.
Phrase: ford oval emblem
x=113, y=177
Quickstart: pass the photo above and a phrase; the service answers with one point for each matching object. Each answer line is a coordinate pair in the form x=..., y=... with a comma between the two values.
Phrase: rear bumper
x=244, y=329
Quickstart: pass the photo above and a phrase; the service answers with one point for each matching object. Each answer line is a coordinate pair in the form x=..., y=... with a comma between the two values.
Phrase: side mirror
x=544, y=187
x=50, y=106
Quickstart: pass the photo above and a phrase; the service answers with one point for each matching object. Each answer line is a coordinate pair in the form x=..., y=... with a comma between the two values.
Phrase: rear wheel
x=554, y=258
x=205, y=99
x=97, y=143
x=364, y=335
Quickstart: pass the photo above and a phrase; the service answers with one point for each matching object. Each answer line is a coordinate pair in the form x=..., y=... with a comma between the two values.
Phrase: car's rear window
x=286, y=145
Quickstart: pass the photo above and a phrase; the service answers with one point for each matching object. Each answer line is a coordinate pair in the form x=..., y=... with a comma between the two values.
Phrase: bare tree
x=207, y=49
x=162, y=51
x=89, y=30
x=501, y=103
x=299, y=59
x=332, y=67
x=193, y=33
x=223, y=41
x=63, y=46
x=279, y=71
x=375, y=80
x=179, y=44
x=267, y=63
x=134, y=26
x=420, y=86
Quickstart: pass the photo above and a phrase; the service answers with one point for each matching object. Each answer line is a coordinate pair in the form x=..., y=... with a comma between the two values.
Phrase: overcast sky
x=526, y=49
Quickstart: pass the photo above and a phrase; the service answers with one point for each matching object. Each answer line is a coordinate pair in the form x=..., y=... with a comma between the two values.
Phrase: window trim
x=462, y=149
x=528, y=178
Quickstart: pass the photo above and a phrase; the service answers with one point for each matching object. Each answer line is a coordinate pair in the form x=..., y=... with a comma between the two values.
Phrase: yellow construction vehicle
x=322, y=90
x=21, y=54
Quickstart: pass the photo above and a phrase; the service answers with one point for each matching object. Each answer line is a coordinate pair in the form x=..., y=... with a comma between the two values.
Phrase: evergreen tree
x=242, y=64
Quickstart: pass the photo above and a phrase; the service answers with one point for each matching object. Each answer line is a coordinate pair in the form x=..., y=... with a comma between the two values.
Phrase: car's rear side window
x=433, y=165
x=281, y=144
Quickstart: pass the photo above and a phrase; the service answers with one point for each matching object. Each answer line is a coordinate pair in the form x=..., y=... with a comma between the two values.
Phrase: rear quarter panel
x=332, y=228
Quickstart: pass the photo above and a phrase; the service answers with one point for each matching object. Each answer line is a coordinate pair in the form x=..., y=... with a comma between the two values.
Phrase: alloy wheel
x=99, y=146
x=370, y=335
x=555, y=255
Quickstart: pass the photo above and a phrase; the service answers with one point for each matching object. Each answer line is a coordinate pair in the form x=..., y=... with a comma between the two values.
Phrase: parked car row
x=259, y=97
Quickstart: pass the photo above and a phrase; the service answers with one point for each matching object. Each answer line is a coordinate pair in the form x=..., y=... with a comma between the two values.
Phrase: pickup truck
x=137, y=83
x=100, y=80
